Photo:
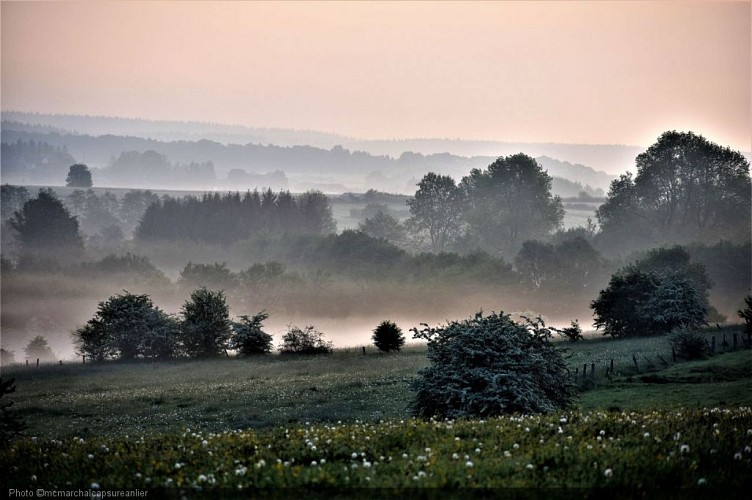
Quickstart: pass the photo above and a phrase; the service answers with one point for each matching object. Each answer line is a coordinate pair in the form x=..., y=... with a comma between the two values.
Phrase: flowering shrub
x=491, y=366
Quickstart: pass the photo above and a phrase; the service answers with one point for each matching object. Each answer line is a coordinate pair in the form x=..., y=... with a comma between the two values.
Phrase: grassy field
x=261, y=392
x=287, y=421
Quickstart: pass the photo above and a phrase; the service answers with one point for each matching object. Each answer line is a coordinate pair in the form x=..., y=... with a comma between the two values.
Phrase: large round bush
x=488, y=366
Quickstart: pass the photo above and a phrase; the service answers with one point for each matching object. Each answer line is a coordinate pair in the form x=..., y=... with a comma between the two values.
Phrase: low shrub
x=249, y=338
x=689, y=344
x=304, y=341
x=388, y=337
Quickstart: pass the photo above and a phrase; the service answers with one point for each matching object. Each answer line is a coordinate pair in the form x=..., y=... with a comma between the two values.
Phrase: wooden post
x=27, y=362
x=712, y=345
x=364, y=350
x=612, y=366
x=735, y=341
x=37, y=362
x=61, y=362
x=584, y=371
x=83, y=359
x=592, y=370
x=634, y=360
x=576, y=373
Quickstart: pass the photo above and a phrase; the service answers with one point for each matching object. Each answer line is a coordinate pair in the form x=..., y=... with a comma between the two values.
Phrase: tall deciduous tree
x=436, y=210
x=38, y=348
x=46, y=229
x=206, y=323
x=510, y=202
x=686, y=189
x=79, y=176
x=128, y=326
x=384, y=226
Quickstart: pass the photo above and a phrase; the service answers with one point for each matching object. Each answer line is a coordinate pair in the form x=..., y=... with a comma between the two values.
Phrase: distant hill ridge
x=99, y=152
x=609, y=158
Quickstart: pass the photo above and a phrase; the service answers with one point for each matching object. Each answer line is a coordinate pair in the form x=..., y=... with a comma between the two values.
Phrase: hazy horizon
x=531, y=72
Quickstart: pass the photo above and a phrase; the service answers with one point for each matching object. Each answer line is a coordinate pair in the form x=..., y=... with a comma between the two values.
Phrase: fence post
x=634, y=360
x=37, y=362
x=576, y=373
x=612, y=366
x=364, y=350
x=735, y=341
x=584, y=371
x=592, y=370
x=712, y=345
x=83, y=359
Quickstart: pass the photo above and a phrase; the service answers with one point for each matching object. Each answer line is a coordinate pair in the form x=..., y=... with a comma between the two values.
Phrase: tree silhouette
x=206, y=323
x=46, y=229
x=686, y=189
x=436, y=210
x=510, y=202
x=38, y=348
x=79, y=176
x=388, y=337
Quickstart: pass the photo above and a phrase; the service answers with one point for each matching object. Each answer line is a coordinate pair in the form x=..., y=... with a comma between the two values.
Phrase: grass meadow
x=341, y=420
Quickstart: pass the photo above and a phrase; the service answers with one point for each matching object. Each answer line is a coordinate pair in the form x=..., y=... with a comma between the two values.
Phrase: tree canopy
x=207, y=328
x=510, y=202
x=217, y=218
x=46, y=229
x=79, y=176
x=487, y=366
x=655, y=295
x=128, y=326
x=686, y=189
x=436, y=210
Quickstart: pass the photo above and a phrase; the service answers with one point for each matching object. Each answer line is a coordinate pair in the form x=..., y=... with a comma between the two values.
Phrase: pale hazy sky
x=586, y=72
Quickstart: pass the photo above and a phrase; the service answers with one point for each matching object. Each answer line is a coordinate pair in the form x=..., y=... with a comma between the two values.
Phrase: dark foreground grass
x=214, y=395
x=707, y=449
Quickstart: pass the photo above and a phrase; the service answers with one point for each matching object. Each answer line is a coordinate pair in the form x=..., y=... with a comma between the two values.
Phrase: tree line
x=687, y=189
x=227, y=218
x=129, y=326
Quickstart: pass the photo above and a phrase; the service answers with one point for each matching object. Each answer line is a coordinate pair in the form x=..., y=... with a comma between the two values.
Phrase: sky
x=570, y=72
